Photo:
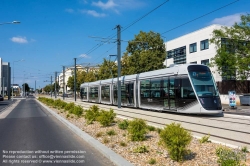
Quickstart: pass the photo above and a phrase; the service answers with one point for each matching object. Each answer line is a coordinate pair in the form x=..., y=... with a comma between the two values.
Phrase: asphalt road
x=29, y=134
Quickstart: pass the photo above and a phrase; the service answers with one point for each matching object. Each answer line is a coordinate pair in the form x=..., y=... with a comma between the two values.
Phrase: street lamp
x=13, y=76
x=13, y=22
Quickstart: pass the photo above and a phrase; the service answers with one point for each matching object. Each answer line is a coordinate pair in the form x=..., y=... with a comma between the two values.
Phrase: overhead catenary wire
x=199, y=17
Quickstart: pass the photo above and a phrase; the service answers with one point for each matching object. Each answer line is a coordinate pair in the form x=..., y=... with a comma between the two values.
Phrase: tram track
x=219, y=134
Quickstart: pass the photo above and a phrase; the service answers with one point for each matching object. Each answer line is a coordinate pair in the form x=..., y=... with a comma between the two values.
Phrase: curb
x=115, y=158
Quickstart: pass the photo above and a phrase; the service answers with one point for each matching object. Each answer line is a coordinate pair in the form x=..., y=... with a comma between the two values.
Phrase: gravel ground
x=200, y=154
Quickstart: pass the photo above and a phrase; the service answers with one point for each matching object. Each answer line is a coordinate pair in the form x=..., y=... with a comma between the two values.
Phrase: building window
x=194, y=62
x=178, y=54
x=192, y=48
x=204, y=44
x=205, y=62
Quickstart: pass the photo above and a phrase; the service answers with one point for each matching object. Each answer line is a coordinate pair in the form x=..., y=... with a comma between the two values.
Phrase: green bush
x=175, y=138
x=244, y=149
x=204, y=139
x=158, y=130
x=137, y=129
x=151, y=128
x=141, y=149
x=69, y=106
x=106, y=118
x=99, y=134
x=123, y=144
x=123, y=124
x=229, y=157
x=77, y=110
x=91, y=114
x=111, y=132
x=152, y=161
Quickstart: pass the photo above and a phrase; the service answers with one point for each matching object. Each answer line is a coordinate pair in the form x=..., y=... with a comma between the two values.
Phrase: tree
x=146, y=52
x=26, y=87
x=233, y=49
x=108, y=69
x=47, y=88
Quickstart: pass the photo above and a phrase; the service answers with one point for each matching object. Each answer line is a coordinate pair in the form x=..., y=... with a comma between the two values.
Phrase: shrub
x=123, y=124
x=227, y=156
x=111, y=132
x=69, y=106
x=123, y=144
x=91, y=114
x=141, y=149
x=152, y=161
x=159, y=130
x=99, y=134
x=151, y=128
x=106, y=118
x=105, y=140
x=244, y=149
x=204, y=139
x=137, y=129
x=175, y=139
x=77, y=110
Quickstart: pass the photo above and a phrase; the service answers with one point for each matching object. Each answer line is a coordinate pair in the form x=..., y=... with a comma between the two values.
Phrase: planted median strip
x=142, y=144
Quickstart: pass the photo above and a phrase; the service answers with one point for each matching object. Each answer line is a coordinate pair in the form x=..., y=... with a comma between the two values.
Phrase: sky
x=51, y=33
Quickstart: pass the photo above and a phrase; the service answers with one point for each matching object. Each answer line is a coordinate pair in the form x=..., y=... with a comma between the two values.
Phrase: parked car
x=1, y=98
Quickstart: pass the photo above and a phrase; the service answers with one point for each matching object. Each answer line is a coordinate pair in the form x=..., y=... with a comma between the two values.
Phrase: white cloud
x=94, y=13
x=70, y=10
x=108, y=5
x=19, y=39
x=227, y=20
x=83, y=56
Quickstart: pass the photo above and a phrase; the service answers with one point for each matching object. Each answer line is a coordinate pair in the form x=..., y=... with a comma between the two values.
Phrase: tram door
x=130, y=94
x=170, y=96
x=172, y=93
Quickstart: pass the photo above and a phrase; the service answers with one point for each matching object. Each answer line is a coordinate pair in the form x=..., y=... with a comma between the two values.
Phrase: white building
x=70, y=72
x=193, y=48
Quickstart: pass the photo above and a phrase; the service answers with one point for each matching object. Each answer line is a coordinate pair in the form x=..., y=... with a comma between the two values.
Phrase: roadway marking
x=6, y=112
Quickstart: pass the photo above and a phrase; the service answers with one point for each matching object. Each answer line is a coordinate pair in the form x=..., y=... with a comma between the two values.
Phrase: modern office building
x=5, y=75
x=193, y=48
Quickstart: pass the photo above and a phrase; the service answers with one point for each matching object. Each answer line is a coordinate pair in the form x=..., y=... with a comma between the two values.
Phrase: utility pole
x=51, y=86
x=35, y=87
x=63, y=81
x=55, y=84
x=119, y=64
x=75, y=79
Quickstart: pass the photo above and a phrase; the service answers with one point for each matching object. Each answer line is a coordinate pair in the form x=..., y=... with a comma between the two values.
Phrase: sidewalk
x=239, y=110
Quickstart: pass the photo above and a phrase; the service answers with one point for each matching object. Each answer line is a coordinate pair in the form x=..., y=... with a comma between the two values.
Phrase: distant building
x=16, y=89
x=5, y=75
x=70, y=72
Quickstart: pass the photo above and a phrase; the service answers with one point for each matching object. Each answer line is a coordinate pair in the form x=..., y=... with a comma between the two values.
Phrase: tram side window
x=155, y=88
x=186, y=89
x=93, y=92
x=145, y=88
x=84, y=93
x=106, y=92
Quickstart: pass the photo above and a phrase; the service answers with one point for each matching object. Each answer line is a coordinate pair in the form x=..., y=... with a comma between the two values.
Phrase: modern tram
x=186, y=88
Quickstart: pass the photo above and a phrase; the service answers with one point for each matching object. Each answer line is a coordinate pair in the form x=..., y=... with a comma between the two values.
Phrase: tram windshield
x=203, y=83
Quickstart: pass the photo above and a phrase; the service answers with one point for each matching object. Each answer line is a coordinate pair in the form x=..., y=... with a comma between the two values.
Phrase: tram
x=186, y=88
